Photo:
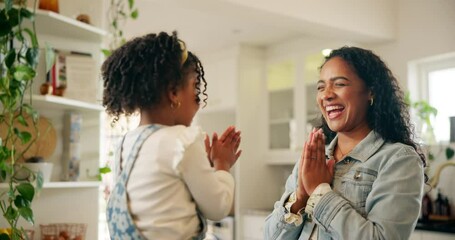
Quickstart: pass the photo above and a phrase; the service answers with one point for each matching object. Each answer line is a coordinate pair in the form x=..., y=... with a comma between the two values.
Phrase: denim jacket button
x=357, y=175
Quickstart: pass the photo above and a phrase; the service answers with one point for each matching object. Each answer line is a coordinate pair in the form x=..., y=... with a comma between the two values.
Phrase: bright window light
x=441, y=84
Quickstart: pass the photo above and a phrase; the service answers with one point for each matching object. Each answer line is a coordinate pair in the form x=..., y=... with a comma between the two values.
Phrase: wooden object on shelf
x=45, y=138
x=433, y=217
x=51, y=5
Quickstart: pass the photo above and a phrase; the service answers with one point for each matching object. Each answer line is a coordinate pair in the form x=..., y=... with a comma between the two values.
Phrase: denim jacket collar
x=364, y=150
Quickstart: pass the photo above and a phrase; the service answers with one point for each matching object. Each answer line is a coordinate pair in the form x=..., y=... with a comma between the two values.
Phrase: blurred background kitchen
x=261, y=59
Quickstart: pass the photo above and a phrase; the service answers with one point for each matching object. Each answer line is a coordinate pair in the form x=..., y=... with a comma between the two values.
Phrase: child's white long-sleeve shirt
x=170, y=178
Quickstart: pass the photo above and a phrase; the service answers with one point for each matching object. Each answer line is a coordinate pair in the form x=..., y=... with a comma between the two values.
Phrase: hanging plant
x=119, y=11
x=19, y=53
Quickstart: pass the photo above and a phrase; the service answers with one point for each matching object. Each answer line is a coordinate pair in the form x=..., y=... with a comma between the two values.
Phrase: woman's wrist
x=299, y=204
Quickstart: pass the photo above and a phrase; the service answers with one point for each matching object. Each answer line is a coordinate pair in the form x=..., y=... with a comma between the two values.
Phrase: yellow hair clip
x=184, y=52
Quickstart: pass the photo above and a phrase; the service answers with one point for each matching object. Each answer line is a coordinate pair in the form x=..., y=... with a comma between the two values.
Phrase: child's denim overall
x=120, y=222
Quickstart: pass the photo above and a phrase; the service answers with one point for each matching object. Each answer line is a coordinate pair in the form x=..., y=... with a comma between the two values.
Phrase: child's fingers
x=227, y=133
x=207, y=142
x=236, y=137
x=237, y=144
x=237, y=155
x=214, y=139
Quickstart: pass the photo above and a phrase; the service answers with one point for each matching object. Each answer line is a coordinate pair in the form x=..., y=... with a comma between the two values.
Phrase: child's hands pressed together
x=223, y=152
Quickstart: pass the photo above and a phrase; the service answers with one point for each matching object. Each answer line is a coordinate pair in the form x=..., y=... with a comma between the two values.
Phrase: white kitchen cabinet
x=58, y=201
x=292, y=112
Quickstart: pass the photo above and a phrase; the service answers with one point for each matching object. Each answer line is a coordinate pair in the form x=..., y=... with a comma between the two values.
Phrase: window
x=433, y=80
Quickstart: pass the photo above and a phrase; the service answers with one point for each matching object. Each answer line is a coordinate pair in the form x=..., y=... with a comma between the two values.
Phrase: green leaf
x=106, y=52
x=50, y=57
x=21, y=202
x=32, y=36
x=130, y=4
x=2, y=174
x=32, y=56
x=31, y=112
x=104, y=170
x=26, y=13
x=22, y=121
x=39, y=180
x=5, y=28
x=10, y=57
x=27, y=214
x=430, y=156
x=13, y=17
x=449, y=153
x=24, y=73
x=134, y=14
x=24, y=136
x=26, y=190
x=11, y=213
x=8, y=5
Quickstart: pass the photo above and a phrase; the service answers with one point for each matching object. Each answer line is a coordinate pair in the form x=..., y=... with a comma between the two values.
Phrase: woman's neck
x=348, y=140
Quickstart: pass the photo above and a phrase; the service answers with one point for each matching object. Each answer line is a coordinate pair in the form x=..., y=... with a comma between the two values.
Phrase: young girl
x=165, y=185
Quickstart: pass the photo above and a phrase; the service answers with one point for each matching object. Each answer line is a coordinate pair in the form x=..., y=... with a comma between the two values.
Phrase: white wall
x=424, y=28
x=339, y=16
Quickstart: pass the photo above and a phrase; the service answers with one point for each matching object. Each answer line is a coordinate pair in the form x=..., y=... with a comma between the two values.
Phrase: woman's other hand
x=315, y=168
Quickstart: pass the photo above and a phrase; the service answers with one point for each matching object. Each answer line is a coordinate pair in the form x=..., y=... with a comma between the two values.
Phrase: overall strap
x=120, y=222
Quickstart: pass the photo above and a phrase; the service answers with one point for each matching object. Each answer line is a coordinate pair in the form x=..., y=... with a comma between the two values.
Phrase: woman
x=368, y=182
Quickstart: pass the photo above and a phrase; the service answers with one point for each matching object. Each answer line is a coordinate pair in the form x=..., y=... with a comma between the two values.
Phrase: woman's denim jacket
x=377, y=192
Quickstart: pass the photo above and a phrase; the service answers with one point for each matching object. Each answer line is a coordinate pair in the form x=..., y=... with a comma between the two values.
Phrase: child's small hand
x=224, y=151
x=208, y=148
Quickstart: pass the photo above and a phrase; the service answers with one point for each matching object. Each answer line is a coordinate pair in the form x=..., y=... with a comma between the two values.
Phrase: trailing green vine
x=119, y=11
x=19, y=54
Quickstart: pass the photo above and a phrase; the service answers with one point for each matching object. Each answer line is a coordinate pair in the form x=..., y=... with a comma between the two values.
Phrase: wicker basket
x=66, y=231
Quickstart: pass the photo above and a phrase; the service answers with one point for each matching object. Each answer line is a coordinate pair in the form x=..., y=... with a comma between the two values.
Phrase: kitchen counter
x=437, y=226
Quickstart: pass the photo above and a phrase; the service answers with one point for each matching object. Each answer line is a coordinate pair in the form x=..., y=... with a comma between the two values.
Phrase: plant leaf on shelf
x=449, y=153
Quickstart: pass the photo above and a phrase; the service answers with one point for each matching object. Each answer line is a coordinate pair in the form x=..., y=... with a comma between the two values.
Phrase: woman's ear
x=371, y=97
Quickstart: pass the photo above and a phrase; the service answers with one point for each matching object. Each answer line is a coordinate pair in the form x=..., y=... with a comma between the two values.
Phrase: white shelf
x=51, y=23
x=62, y=104
x=72, y=184
x=47, y=185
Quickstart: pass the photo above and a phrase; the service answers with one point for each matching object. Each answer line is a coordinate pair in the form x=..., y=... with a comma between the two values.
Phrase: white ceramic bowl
x=44, y=167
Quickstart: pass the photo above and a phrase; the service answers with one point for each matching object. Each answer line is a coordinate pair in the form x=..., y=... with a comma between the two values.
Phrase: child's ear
x=172, y=93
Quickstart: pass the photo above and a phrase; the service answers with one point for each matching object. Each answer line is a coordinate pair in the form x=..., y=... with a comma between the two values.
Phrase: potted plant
x=19, y=53
x=425, y=113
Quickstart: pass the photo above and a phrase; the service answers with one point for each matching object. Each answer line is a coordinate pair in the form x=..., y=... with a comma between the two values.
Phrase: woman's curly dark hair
x=138, y=73
x=389, y=115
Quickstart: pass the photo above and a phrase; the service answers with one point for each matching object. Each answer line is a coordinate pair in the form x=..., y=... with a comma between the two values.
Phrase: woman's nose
x=327, y=93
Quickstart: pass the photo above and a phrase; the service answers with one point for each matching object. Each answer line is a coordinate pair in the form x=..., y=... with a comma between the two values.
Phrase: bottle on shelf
x=439, y=204
x=427, y=208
